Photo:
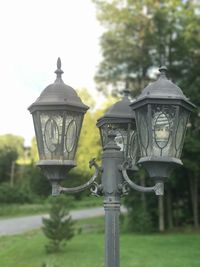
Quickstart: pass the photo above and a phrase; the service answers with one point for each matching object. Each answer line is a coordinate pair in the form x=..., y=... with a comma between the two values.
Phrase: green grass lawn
x=87, y=249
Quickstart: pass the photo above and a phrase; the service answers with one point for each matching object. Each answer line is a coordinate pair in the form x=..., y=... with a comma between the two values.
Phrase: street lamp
x=156, y=120
x=120, y=119
x=162, y=112
x=57, y=115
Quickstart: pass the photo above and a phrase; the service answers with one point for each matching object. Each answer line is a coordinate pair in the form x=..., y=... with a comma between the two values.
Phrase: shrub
x=58, y=228
x=14, y=194
x=38, y=182
x=140, y=221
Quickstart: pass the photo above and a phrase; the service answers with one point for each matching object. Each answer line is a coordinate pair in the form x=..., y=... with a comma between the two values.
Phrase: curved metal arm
x=57, y=189
x=158, y=188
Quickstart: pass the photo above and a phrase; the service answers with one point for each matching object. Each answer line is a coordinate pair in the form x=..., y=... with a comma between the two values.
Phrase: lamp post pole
x=111, y=179
x=162, y=112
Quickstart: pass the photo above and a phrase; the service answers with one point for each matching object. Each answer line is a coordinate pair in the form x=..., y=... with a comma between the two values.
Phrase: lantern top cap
x=59, y=72
x=59, y=94
x=118, y=111
x=162, y=88
x=163, y=71
x=121, y=109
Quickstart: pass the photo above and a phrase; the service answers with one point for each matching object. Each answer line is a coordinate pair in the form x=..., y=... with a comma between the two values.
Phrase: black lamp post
x=161, y=113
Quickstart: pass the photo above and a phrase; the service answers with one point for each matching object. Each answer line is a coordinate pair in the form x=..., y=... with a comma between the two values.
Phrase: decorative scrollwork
x=96, y=189
x=157, y=188
x=124, y=189
x=56, y=188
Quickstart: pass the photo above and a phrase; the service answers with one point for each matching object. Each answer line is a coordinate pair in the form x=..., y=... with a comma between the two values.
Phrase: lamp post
x=156, y=121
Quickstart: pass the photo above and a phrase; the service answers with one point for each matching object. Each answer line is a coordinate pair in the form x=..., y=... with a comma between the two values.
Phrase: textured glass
x=71, y=136
x=143, y=131
x=161, y=129
x=120, y=139
x=126, y=138
x=163, y=123
x=57, y=134
x=51, y=126
x=121, y=134
x=133, y=147
x=180, y=132
x=51, y=135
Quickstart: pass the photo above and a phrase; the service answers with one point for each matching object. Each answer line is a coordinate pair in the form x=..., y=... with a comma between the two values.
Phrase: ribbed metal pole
x=112, y=211
x=111, y=179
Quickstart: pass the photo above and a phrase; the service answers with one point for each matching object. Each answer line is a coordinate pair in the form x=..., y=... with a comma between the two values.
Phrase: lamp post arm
x=158, y=188
x=57, y=189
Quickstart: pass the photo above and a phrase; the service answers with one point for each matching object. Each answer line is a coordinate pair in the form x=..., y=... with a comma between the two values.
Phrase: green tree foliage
x=7, y=156
x=38, y=183
x=11, y=149
x=58, y=228
x=13, y=194
x=13, y=141
x=139, y=37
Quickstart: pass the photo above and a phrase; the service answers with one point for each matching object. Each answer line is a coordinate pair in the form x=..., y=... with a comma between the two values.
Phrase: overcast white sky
x=33, y=33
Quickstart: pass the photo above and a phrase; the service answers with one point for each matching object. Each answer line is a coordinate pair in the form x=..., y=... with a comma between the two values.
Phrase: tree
x=58, y=228
x=140, y=36
x=8, y=155
x=13, y=141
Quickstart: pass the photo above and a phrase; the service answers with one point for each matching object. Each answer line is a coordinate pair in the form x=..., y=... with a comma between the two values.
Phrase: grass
x=87, y=249
x=15, y=210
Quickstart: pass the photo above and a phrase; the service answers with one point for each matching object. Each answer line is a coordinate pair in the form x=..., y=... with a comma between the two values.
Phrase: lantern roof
x=59, y=94
x=163, y=88
x=118, y=112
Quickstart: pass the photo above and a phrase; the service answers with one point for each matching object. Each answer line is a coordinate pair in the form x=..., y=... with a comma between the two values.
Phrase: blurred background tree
x=139, y=37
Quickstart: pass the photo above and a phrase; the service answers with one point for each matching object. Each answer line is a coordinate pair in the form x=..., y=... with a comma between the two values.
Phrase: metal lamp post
x=156, y=120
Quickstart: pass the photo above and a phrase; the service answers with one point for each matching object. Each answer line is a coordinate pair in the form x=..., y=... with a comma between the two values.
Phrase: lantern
x=57, y=115
x=162, y=112
x=121, y=120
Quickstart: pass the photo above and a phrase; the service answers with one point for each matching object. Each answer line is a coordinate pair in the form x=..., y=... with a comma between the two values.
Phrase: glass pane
x=51, y=134
x=71, y=136
x=51, y=124
x=161, y=128
x=133, y=151
x=72, y=129
x=121, y=134
x=59, y=134
x=143, y=130
x=180, y=132
x=163, y=122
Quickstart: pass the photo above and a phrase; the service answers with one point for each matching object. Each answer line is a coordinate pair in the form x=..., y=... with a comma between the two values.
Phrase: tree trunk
x=194, y=198
x=12, y=174
x=161, y=213
x=169, y=207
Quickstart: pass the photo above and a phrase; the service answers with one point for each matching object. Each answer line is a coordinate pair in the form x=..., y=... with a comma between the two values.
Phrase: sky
x=33, y=34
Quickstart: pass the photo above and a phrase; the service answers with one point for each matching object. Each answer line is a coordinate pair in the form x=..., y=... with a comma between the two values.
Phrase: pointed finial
x=59, y=63
x=126, y=94
x=163, y=72
x=59, y=72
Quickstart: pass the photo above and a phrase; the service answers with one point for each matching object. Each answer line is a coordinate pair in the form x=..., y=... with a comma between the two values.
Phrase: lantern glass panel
x=163, y=124
x=126, y=138
x=57, y=134
x=161, y=130
x=180, y=131
x=143, y=130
